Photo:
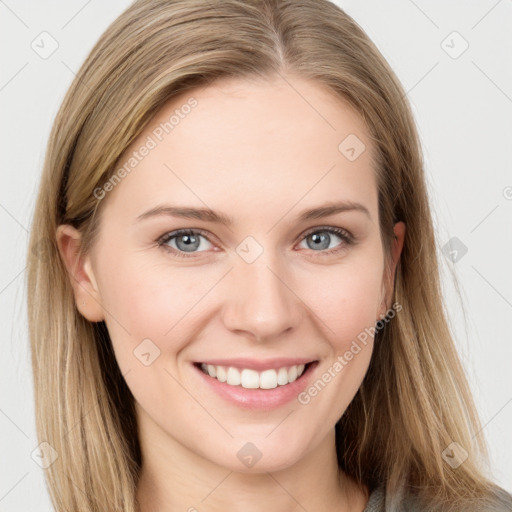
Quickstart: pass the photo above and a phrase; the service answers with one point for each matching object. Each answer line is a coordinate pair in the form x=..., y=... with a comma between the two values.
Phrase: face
x=267, y=294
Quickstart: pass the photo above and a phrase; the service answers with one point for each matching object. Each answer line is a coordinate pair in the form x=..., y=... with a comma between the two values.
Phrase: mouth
x=256, y=385
x=250, y=378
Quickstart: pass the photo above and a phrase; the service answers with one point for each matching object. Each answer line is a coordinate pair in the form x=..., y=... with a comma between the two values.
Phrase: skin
x=258, y=151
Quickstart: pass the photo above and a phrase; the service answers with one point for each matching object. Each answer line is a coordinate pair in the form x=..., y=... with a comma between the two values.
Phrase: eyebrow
x=208, y=215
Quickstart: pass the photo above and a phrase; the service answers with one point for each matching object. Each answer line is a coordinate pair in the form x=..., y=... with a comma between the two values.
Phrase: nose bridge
x=259, y=299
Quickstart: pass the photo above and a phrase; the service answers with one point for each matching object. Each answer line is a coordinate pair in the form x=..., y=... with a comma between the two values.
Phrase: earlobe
x=396, y=250
x=80, y=272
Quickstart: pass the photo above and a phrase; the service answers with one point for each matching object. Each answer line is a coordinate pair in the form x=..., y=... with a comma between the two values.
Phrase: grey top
x=377, y=502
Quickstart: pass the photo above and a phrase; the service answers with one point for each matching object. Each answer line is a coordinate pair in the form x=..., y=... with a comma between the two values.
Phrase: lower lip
x=262, y=399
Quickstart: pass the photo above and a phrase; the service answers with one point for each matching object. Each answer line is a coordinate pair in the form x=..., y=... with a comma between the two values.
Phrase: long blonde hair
x=414, y=400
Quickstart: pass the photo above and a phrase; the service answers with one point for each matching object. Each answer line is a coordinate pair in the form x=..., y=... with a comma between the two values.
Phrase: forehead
x=255, y=144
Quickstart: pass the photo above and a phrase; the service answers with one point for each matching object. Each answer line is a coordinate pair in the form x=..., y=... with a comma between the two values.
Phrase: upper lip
x=258, y=364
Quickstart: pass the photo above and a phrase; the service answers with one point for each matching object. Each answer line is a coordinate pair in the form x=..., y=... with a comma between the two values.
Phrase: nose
x=260, y=302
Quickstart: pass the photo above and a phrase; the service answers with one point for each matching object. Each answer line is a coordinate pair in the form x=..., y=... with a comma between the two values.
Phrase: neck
x=174, y=477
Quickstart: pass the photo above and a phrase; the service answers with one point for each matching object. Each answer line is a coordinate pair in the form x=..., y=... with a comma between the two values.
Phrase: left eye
x=320, y=239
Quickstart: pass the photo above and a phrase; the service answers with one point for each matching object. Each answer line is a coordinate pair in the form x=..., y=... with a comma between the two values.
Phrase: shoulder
x=376, y=501
x=503, y=501
x=500, y=501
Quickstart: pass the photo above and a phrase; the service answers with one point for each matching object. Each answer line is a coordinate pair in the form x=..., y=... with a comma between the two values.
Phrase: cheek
x=155, y=302
x=149, y=313
x=347, y=307
x=348, y=301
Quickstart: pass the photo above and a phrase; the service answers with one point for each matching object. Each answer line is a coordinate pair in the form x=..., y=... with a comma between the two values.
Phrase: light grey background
x=463, y=107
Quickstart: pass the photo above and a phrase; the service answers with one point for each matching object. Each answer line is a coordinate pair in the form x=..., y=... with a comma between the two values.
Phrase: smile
x=256, y=384
x=252, y=379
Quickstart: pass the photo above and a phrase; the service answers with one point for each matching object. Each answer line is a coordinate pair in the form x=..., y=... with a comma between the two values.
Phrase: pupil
x=321, y=241
x=190, y=242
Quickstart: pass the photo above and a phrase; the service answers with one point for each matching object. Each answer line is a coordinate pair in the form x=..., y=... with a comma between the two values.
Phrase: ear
x=85, y=288
x=389, y=277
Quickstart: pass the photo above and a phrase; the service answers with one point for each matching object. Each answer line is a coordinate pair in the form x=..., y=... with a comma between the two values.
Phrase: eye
x=184, y=241
x=320, y=238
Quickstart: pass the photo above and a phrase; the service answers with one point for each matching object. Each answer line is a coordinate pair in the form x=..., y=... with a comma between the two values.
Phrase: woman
x=240, y=304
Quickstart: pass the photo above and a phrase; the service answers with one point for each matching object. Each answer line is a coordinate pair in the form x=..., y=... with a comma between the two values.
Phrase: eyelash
x=347, y=238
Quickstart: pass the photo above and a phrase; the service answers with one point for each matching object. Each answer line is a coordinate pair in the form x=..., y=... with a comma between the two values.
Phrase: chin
x=258, y=454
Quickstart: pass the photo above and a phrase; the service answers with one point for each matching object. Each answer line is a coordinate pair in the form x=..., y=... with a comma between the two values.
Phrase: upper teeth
x=251, y=379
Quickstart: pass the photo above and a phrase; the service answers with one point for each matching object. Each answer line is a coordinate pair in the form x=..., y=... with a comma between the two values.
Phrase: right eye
x=183, y=241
